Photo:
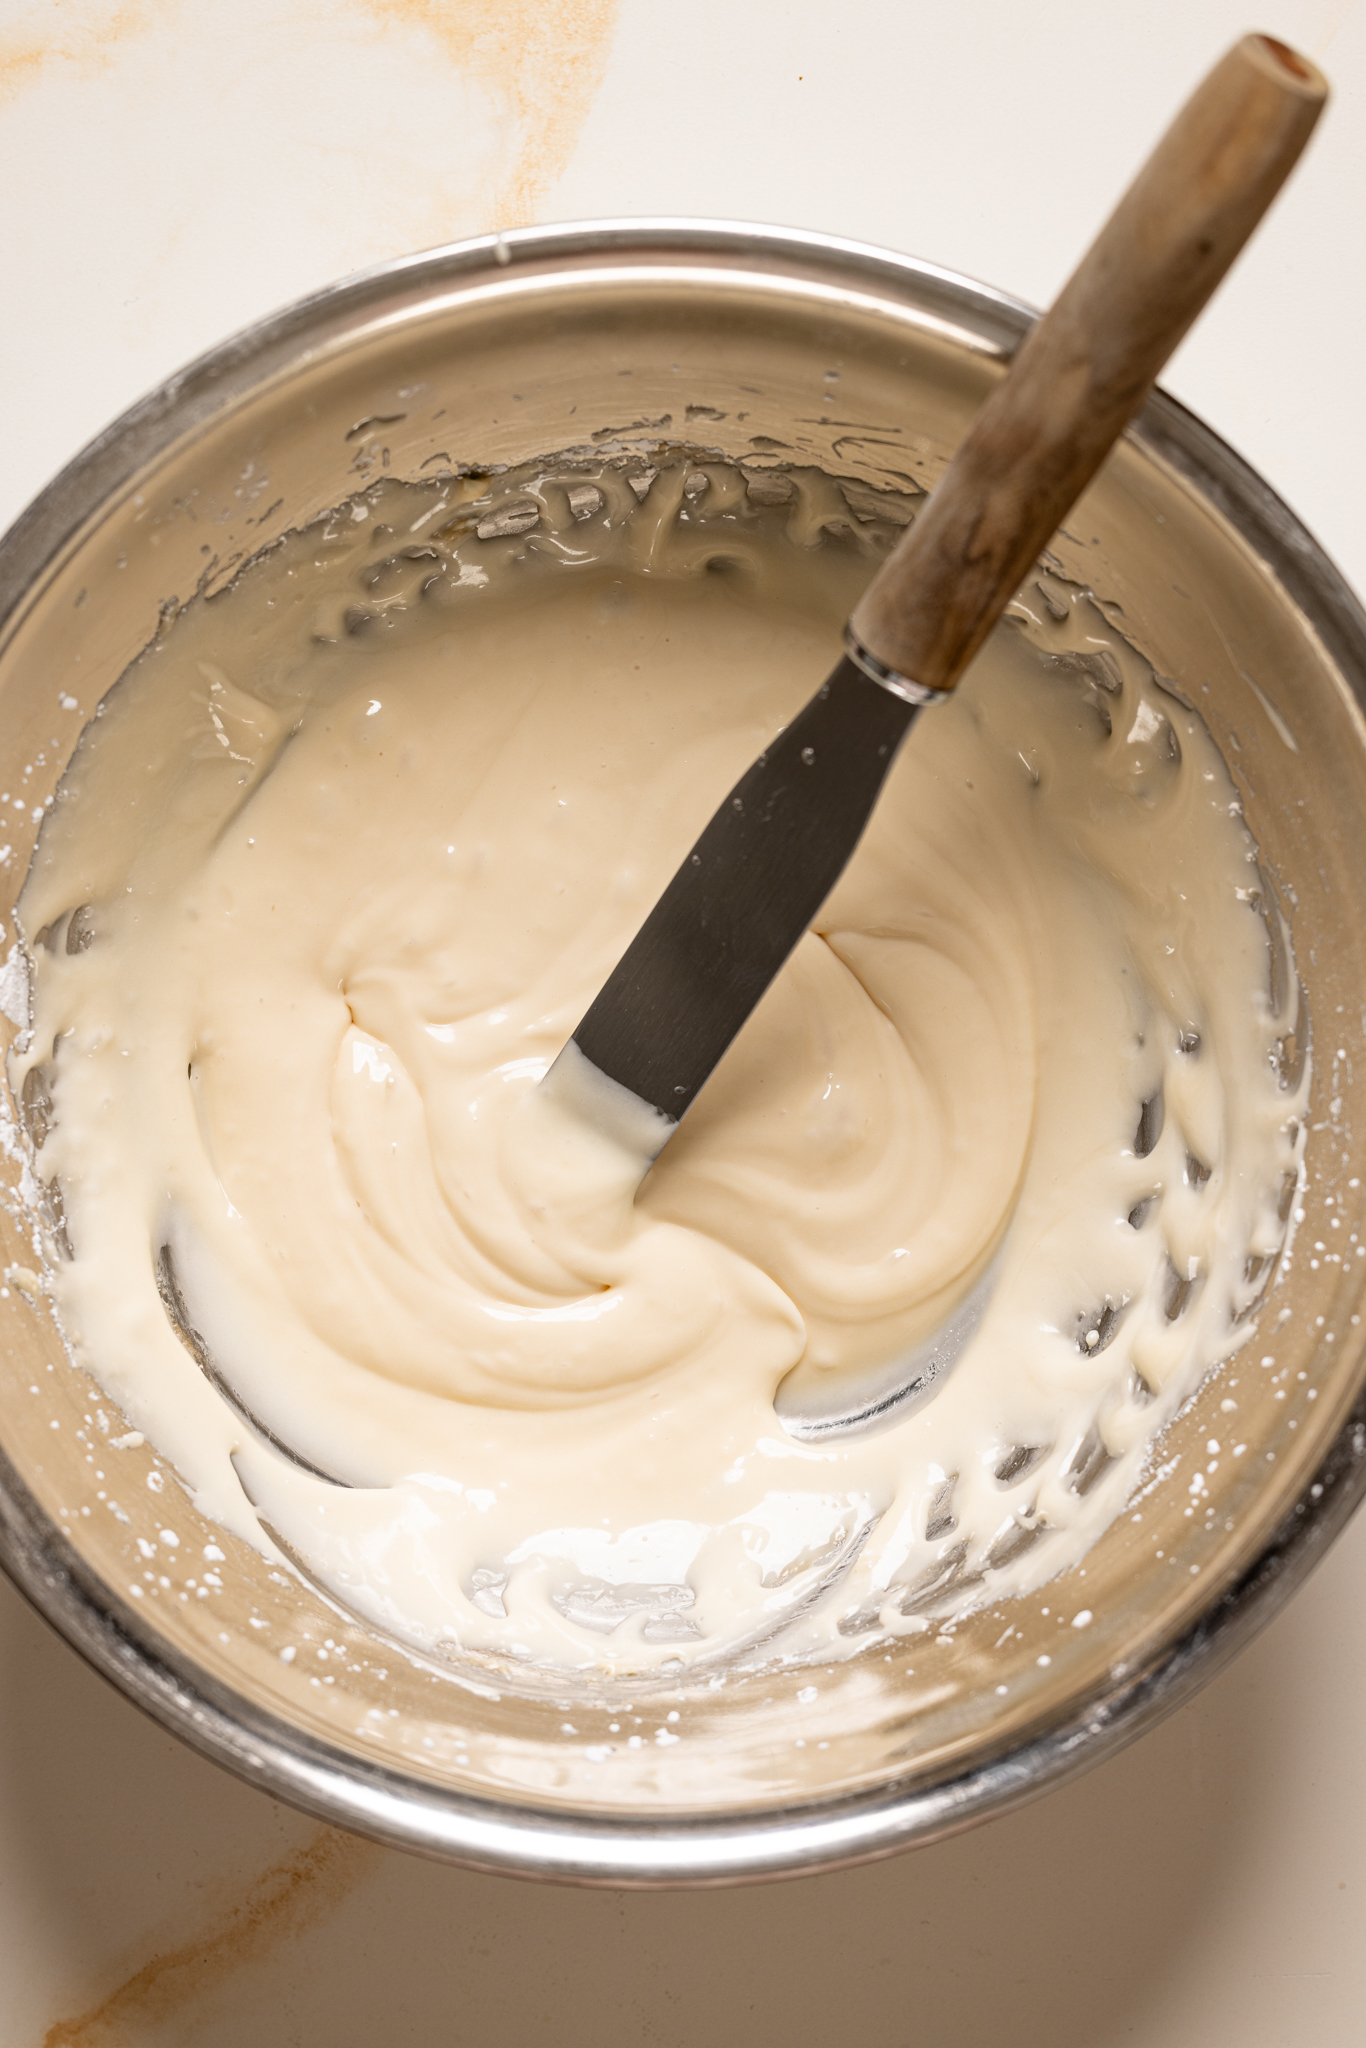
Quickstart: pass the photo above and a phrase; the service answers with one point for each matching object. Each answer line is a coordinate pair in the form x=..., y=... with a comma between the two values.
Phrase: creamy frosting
x=333, y=876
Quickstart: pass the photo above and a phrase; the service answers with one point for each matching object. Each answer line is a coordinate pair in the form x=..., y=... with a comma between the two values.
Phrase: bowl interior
x=730, y=343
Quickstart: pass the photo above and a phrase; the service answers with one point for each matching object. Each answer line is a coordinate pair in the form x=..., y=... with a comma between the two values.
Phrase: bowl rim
x=390, y=1805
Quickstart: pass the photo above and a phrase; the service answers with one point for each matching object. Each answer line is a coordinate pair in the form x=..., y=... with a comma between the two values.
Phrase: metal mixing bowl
x=489, y=353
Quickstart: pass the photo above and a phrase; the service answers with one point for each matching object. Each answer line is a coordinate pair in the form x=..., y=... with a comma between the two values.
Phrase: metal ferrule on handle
x=905, y=687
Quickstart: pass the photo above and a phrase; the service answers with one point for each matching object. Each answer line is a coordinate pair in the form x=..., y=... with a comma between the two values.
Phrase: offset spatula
x=769, y=857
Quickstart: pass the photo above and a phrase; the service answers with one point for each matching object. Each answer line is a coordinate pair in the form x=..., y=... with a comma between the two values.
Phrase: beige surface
x=172, y=170
x=1208, y=1886
x=175, y=168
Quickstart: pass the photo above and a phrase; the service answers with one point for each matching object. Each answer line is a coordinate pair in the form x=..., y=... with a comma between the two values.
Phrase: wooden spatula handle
x=1081, y=374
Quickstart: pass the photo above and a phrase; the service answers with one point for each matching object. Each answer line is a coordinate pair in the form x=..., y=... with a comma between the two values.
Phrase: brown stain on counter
x=83, y=37
x=279, y=1906
x=539, y=63
x=541, y=60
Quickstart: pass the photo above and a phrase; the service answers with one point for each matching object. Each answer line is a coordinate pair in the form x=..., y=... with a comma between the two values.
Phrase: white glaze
x=348, y=895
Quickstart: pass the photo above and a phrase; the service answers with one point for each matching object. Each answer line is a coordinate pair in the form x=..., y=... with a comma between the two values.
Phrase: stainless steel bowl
x=491, y=352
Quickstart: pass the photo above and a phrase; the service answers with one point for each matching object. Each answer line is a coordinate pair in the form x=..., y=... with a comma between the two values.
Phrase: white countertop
x=169, y=172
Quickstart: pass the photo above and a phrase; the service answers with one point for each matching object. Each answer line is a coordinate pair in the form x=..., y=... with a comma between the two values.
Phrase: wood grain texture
x=1081, y=374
